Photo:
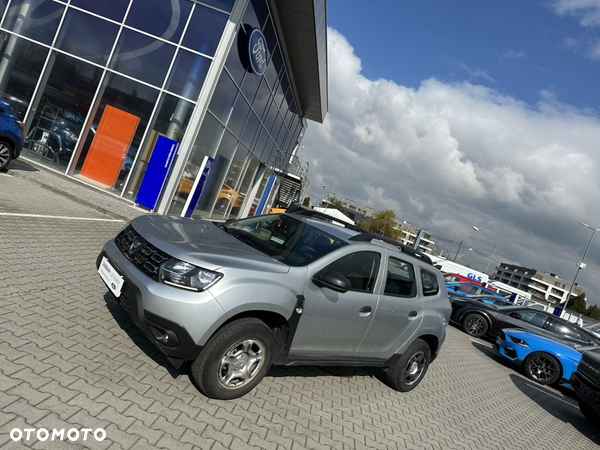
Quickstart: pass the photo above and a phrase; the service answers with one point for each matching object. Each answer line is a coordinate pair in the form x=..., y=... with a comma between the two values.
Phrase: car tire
x=588, y=412
x=5, y=154
x=222, y=205
x=542, y=368
x=410, y=369
x=235, y=359
x=475, y=325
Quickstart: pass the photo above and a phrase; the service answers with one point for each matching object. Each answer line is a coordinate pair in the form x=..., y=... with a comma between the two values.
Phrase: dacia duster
x=286, y=289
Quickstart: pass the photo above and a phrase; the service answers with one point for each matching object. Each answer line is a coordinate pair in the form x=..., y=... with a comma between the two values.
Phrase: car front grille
x=142, y=254
x=590, y=367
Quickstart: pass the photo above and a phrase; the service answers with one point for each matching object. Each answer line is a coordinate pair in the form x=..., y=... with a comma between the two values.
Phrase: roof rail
x=301, y=210
x=368, y=237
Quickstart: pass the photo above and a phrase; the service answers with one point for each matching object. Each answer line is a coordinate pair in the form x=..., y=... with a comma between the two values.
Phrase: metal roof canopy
x=303, y=24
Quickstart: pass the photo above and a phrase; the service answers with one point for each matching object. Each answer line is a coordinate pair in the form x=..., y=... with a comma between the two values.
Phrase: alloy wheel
x=240, y=363
x=4, y=154
x=414, y=368
x=542, y=368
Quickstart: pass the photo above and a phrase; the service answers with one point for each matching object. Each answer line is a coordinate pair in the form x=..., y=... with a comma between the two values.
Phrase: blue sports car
x=469, y=289
x=544, y=360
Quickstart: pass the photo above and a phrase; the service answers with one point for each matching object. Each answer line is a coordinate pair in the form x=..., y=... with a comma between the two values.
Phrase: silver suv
x=287, y=289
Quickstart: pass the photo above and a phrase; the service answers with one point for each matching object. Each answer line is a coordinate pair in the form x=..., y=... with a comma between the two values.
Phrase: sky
x=469, y=113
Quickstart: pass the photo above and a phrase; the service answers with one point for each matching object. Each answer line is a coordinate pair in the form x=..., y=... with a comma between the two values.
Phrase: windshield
x=284, y=238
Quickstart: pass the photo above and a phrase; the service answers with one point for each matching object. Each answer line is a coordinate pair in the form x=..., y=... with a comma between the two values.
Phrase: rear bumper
x=586, y=391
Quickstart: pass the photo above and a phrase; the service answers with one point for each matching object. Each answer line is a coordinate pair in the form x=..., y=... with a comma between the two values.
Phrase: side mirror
x=515, y=315
x=456, y=288
x=332, y=280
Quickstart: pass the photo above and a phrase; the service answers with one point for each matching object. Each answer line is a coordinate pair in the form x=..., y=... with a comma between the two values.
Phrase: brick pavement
x=70, y=358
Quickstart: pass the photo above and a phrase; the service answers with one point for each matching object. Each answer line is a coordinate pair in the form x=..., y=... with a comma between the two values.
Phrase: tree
x=593, y=312
x=384, y=223
x=578, y=304
x=306, y=201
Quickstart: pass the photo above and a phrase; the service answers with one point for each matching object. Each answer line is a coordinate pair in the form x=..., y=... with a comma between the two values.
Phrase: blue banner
x=199, y=187
x=265, y=197
x=158, y=169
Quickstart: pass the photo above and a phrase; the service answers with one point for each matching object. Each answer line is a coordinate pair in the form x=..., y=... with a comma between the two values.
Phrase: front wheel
x=542, y=368
x=475, y=325
x=235, y=359
x=411, y=368
x=588, y=412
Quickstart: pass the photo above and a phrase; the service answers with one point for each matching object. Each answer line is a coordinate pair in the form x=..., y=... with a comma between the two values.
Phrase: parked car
x=544, y=360
x=457, y=278
x=594, y=329
x=11, y=135
x=458, y=301
x=479, y=320
x=289, y=289
x=586, y=383
x=470, y=289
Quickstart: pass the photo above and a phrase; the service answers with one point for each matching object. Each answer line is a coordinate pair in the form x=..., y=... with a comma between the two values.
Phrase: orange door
x=109, y=147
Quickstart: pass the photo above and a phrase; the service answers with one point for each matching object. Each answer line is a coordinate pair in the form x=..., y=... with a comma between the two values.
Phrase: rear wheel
x=542, y=368
x=235, y=359
x=475, y=325
x=411, y=368
x=5, y=154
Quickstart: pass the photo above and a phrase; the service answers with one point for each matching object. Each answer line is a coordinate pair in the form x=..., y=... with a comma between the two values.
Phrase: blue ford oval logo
x=257, y=51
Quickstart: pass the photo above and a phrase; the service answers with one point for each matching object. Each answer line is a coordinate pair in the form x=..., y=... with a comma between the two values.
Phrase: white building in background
x=413, y=233
x=543, y=286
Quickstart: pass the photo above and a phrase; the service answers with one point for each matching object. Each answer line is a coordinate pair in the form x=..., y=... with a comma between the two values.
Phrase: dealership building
x=186, y=107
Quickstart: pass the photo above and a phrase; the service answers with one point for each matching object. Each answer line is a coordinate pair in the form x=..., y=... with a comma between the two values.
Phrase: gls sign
x=257, y=51
x=474, y=277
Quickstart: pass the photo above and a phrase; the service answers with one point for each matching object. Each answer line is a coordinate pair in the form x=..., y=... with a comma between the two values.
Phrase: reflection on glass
x=87, y=36
x=171, y=120
x=165, y=19
x=251, y=130
x=238, y=116
x=206, y=143
x=244, y=187
x=36, y=19
x=132, y=100
x=60, y=109
x=237, y=60
x=204, y=31
x=223, y=97
x=213, y=189
x=188, y=75
x=256, y=14
x=230, y=196
x=270, y=36
x=262, y=98
x=225, y=5
x=113, y=9
x=142, y=57
x=20, y=67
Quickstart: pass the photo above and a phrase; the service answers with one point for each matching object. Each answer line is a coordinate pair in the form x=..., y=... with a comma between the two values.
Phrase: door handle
x=412, y=315
x=365, y=311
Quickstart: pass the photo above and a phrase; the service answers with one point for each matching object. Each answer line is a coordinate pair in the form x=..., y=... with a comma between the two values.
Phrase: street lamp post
x=473, y=249
x=491, y=257
x=332, y=191
x=581, y=264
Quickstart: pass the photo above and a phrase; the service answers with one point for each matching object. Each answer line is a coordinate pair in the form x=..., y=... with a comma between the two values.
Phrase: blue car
x=469, y=289
x=11, y=135
x=544, y=360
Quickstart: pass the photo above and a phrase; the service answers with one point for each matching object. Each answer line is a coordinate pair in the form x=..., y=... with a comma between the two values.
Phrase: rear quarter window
x=430, y=283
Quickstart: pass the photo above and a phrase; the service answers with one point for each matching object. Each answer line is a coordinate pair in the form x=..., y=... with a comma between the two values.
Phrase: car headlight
x=519, y=341
x=187, y=276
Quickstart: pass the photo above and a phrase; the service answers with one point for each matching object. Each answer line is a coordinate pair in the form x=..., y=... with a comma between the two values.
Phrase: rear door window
x=400, y=280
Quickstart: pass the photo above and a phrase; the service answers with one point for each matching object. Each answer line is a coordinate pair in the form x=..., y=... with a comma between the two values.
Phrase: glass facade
x=97, y=85
x=251, y=127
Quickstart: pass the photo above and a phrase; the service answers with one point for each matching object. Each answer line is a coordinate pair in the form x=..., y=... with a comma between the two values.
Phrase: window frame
x=431, y=274
x=413, y=289
x=362, y=291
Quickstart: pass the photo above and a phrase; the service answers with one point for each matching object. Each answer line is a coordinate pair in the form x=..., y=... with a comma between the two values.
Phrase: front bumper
x=173, y=319
x=586, y=391
x=506, y=351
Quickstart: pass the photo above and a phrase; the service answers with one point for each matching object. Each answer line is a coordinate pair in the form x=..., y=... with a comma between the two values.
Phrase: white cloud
x=450, y=156
x=513, y=54
x=587, y=12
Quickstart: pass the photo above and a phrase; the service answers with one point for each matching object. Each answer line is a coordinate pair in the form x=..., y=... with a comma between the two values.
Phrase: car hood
x=202, y=243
